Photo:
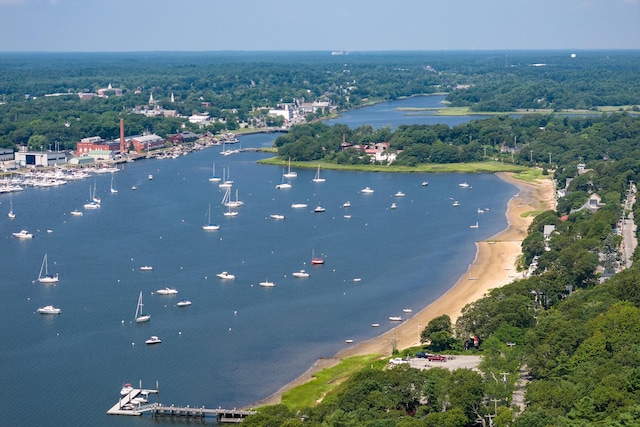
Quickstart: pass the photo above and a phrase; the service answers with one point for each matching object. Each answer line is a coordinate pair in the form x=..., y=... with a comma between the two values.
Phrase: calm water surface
x=238, y=342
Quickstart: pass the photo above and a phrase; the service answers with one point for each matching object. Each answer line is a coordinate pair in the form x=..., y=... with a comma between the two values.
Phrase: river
x=238, y=342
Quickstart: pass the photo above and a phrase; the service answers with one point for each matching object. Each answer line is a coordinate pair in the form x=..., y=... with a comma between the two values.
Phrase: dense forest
x=238, y=87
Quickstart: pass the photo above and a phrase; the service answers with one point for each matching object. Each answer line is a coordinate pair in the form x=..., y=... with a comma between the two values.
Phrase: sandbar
x=493, y=266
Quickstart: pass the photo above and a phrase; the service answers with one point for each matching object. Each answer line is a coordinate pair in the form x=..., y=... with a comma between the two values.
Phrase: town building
x=25, y=158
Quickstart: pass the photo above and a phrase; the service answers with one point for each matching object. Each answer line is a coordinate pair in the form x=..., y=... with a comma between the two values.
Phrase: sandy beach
x=494, y=266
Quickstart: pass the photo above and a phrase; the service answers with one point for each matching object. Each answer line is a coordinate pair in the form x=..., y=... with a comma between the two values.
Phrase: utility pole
x=531, y=156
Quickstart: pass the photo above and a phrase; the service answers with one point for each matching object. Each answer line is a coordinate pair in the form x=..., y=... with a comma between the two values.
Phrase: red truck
x=436, y=358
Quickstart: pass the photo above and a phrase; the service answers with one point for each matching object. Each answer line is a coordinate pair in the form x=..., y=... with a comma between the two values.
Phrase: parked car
x=437, y=358
x=422, y=354
x=397, y=361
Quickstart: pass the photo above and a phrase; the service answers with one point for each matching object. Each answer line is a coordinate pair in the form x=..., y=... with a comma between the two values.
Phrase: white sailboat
x=214, y=177
x=234, y=203
x=226, y=182
x=290, y=174
x=209, y=226
x=317, y=177
x=11, y=214
x=94, y=197
x=44, y=276
x=140, y=316
x=113, y=189
x=225, y=202
x=92, y=204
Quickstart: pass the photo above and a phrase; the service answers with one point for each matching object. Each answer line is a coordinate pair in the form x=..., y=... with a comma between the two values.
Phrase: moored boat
x=301, y=274
x=184, y=303
x=49, y=309
x=226, y=275
x=153, y=340
x=23, y=234
x=166, y=291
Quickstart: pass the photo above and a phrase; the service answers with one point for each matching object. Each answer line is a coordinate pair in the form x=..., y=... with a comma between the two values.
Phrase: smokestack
x=122, y=143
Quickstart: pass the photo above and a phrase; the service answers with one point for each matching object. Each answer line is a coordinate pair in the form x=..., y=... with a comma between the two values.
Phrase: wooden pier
x=135, y=403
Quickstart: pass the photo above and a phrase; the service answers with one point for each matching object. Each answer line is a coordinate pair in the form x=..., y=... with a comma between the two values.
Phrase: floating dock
x=135, y=403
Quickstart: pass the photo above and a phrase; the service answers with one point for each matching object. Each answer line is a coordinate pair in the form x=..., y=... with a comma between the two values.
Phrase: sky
x=320, y=25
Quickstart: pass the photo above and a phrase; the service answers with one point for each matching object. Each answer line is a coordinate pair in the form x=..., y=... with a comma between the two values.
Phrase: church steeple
x=172, y=98
x=151, y=101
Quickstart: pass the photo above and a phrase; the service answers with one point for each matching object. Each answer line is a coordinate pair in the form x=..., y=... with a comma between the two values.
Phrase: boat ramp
x=135, y=403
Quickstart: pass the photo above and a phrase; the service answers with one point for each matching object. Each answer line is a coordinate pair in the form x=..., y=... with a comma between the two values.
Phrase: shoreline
x=492, y=267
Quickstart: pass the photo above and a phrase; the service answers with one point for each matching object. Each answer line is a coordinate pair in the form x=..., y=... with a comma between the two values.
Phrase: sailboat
x=140, y=316
x=290, y=174
x=316, y=260
x=11, y=214
x=209, y=226
x=283, y=184
x=226, y=182
x=44, y=276
x=94, y=198
x=92, y=203
x=234, y=203
x=214, y=177
x=225, y=202
x=317, y=177
x=113, y=189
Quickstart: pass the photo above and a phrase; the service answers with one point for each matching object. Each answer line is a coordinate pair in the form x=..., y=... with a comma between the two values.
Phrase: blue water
x=238, y=342
x=392, y=114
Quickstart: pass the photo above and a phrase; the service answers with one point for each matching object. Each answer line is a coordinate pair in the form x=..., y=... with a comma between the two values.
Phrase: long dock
x=135, y=403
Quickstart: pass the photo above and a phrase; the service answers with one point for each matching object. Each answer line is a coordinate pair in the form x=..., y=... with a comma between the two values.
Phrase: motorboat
x=407, y=310
x=480, y=210
x=301, y=274
x=346, y=204
x=166, y=291
x=463, y=185
x=357, y=279
x=140, y=316
x=226, y=275
x=347, y=216
x=23, y=234
x=317, y=261
x=267, y=284
x=319, y=209
x=276, y=216
x=49, y=309
x=400, y=194
x=298, y=205
x=393, y=206
x=153, y=340
x=283, y=186
x=366, y=190
x=349, y=341
x=150, y=177
x=425, y=183
x=44, y=276
x=231, y=213
x=375, y=325
x=133, y=187
x=126, y=389
x=184, y=303
x=146, y=268
x=395, y=318
x=76, y=213
x=456, y=204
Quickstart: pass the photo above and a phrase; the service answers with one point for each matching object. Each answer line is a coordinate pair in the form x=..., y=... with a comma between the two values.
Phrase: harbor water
x=238, y=342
